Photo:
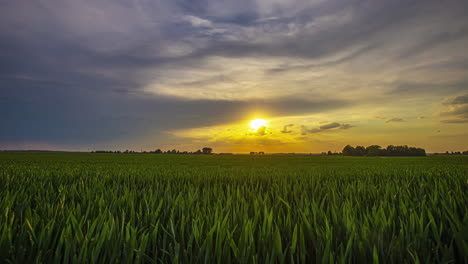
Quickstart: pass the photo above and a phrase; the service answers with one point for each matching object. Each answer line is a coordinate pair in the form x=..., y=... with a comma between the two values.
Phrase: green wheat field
x=135, y=208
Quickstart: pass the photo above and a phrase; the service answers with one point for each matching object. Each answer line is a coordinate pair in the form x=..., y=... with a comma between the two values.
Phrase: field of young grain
x=116, y=208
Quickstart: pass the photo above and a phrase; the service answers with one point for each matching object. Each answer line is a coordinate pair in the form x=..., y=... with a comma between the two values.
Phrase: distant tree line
x=376, y=150
x=329, y=153
x=452, y=153
x=203, y=151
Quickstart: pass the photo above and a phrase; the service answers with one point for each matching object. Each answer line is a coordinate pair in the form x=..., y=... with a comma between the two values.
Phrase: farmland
x=111, y=208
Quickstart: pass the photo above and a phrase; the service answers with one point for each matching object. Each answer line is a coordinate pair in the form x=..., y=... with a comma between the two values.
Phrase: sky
x=140, y=74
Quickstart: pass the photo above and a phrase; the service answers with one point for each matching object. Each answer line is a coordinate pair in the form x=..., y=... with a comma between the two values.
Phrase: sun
x=258, y=123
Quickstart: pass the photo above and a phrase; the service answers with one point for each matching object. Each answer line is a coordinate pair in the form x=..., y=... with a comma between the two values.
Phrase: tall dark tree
x=374, y=150
x=207, y=150
x=360, y=151
x=348, y=150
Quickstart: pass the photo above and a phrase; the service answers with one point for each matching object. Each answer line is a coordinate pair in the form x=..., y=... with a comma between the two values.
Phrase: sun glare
x=257, y=123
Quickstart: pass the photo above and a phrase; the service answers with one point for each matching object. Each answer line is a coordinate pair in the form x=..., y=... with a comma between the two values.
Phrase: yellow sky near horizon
x=320, y=132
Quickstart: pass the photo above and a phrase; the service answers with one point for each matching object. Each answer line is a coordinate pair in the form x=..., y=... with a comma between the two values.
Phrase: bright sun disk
x=257, y=123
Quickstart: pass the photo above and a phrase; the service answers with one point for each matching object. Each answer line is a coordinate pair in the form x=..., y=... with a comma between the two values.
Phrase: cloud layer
x=458, y=110
x=110, y=73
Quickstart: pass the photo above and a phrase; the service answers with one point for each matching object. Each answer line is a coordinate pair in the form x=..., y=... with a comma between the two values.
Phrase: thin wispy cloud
x=395, y=120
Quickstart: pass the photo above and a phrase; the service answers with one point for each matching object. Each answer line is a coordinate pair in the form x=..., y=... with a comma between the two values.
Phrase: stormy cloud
x=110, y=72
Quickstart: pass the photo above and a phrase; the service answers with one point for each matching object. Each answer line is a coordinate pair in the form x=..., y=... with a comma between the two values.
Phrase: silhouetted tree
x=198, y=152
x=360, y=151
x=207, y=150
x=374, y=150
x=348, y=150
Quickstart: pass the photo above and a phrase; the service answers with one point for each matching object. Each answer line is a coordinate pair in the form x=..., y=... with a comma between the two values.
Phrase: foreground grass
x=109, y=208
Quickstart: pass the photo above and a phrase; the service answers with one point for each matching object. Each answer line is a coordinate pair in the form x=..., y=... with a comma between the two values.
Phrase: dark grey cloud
x=67, y=114
x=458, y=110
x=325, y=128
x=370, y=21
x=353, y=55
x=416, y=88
x=286, y=128
x=438, y=38
x=454, y=121
x=329, y=126
x=346, y=126
x=459, y=100
x=305, y=130
x=219, y=79
x=395, y=120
